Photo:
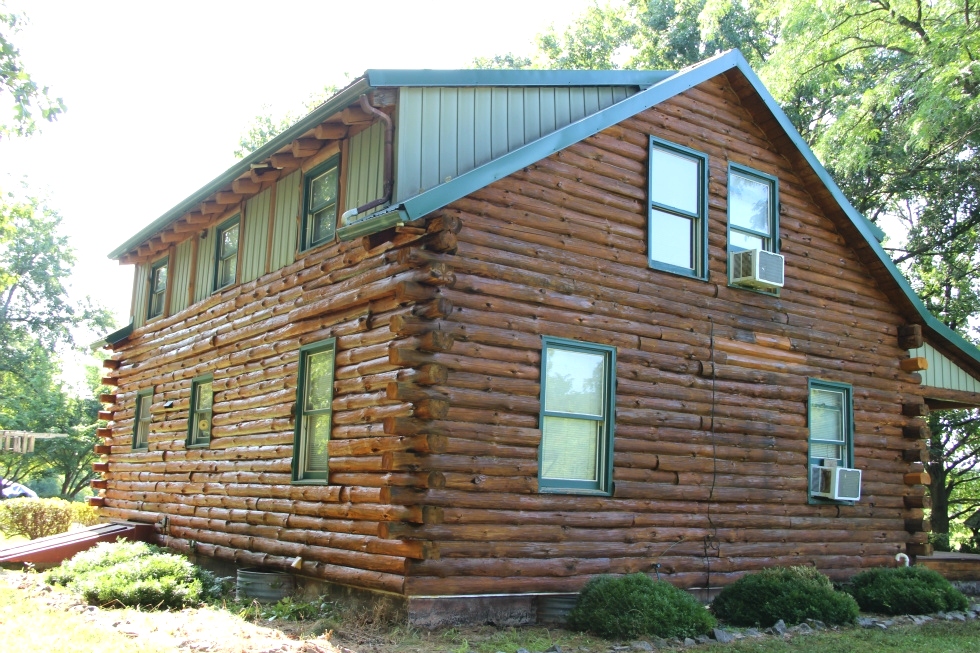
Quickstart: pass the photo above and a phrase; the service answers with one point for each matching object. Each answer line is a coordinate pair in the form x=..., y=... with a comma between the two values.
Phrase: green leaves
x=25, y=100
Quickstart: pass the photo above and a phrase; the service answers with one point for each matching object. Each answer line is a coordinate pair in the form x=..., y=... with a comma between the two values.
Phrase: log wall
x=710, y=450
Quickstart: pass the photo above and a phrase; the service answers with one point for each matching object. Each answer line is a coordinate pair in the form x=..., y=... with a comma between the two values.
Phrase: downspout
x=389, y=141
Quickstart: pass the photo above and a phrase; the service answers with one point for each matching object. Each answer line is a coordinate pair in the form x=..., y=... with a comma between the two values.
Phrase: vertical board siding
x=141, y=285
x=204, y=284
x=180, y=276
x=365, y=170
x=445, y=132
x=255, y=234
x=285, y=232
x=944, y=373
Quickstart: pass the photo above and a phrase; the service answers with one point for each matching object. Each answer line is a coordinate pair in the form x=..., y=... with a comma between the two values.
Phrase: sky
x=158, y=94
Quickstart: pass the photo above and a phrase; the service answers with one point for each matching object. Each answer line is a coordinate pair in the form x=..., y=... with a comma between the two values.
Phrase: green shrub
x=634, y=605
x=83, y=514
x=34, y=518
x=905, y=590
x=793, y=594
x=134, y=574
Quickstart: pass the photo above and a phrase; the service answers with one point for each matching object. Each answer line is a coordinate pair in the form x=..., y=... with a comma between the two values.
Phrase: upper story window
x=226, y=253
x=199, y=420
x=158, y=289
x=141, y=430
x=752, y=210
x=678, y=194
x=320, y=193
x=577, y=407
x=314, y=414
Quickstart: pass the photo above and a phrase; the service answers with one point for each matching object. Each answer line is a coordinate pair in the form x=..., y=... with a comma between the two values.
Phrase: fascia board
x=455, y=78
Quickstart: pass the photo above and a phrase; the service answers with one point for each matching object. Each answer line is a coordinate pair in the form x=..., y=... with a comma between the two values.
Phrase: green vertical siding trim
x=365, y=168
x=255, y=235
x=445, y=132
x=180, y=275
x=944, y=373
x=285, y=232
x=203, y=284
x=141, y=284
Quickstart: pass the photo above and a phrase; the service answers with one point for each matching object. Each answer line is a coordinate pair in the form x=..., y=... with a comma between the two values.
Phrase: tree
x=954, y=466
x=264, y=127
x=24, y=98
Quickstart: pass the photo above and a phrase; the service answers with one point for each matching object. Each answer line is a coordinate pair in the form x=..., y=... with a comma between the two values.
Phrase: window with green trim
x=752, y=210
x=320, y=193
x=141, y=430
x=577, y=413
x=158, y=289
x=226, y=253
x=678, y=190
x=199, y=420
x=314, y=414
x=830, y=416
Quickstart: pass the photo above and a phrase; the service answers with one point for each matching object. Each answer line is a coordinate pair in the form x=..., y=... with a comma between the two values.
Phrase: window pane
x=226, y=271
x=144, y=407
x=676, y=179
x=574, y=382
x=229, y=241
x=205, y=396
x=323, y=189
x=322, y=224
x=319, y=380
x=744, y=241
x=160, y=279
x=670, y=239
x=826, y=452
x=317, y=433
x=827, y=415
x=156, y=304
x=570, y=449
x=748, y=203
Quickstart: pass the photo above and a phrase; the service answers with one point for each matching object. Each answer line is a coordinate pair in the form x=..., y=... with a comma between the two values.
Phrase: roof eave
x=338, y=102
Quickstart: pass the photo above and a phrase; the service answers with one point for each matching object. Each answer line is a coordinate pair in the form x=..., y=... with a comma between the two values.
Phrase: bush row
x=34, y=518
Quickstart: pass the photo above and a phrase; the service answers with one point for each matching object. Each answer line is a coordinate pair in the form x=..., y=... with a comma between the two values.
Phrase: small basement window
x=576, y=420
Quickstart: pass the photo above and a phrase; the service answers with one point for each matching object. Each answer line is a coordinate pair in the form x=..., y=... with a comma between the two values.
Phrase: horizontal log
x=914, y=364
x=95, y=501
x=910, y=336
x=98, y=484
x=917, y=478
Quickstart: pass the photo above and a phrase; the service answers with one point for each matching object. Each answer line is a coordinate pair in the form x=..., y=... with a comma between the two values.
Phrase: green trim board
x=577, y=417
x=314, y=412
x=677, y=218
x=200, y=413
x=823, y=398
x=142, y=420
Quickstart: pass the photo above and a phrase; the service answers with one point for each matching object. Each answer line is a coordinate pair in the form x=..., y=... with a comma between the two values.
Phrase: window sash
x=141, y=434
x=676, y=238
x=226, y=267
x=322, y=192
x=829, y=422
x=575, y=419
x=315, y=419
x=202, y=407
x=748, y=228
x=158, y=290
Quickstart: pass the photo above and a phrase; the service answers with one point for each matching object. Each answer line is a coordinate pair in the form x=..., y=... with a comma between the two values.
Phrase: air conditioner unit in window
x=756, y=268
x=837, y=483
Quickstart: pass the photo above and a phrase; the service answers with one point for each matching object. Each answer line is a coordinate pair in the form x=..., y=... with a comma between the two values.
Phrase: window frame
x=306, y=226
x=299, y=475
x=193, y=440
x=163, y=263
x=603, y=486
x=735, y=169
x=847, y=448
x=139, y=419
x=231, y=223
x=699, y=220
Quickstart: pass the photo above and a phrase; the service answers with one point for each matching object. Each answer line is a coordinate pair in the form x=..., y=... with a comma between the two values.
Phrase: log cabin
x=470, y=338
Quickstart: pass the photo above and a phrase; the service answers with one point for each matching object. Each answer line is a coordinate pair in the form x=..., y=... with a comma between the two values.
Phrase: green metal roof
x=641, y=78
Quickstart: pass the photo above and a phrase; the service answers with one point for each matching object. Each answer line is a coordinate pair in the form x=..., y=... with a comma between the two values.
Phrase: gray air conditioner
x=756, y=268
x=837, y=483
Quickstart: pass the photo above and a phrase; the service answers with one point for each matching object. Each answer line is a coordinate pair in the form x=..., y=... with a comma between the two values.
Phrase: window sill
x=680, y=272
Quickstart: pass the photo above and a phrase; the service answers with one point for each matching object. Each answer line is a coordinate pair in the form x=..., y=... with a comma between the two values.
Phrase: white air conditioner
x=756, y=268
x=837, y=483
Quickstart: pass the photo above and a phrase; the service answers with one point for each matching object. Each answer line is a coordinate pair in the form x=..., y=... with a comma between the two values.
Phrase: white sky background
x=159, y=93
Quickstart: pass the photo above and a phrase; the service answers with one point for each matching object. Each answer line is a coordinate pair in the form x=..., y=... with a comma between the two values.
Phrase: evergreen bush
x=634, y=605
x=34, y=518
x=134, y=574
x=905, y=590
x=793, y=594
